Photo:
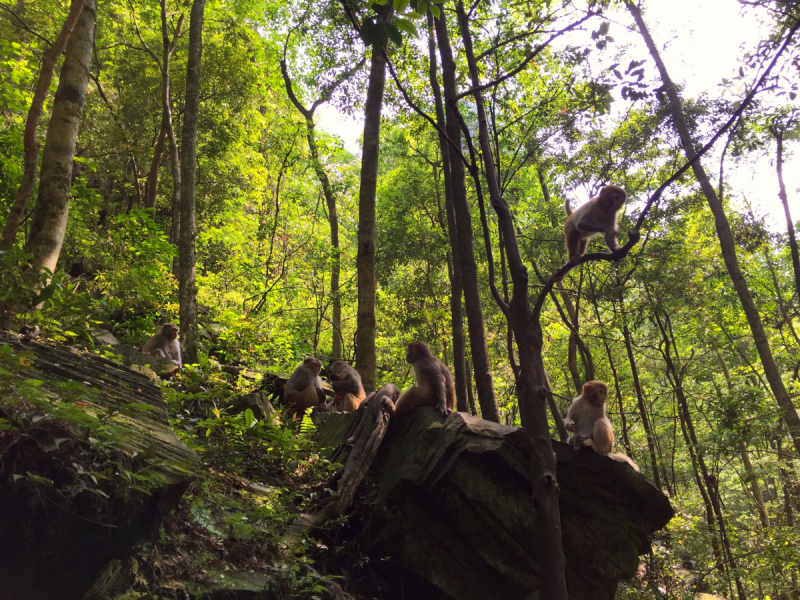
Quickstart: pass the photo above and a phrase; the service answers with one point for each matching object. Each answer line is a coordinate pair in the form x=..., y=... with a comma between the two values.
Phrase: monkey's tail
x=567, y=207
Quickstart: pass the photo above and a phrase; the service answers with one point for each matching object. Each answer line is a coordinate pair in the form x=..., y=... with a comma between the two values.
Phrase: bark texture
x=456, y=283
x=55, y=181
x=366, y=361
x=726, y=240
x=532, y=385
x=31, y=143
x=187, y=288
x=484, y=383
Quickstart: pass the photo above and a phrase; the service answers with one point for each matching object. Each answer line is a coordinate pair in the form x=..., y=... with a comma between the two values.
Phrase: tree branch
x=525, y=62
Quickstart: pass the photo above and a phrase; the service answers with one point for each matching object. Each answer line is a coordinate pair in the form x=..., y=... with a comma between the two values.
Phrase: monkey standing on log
x=433, y=383
x=348, y=390
x=165, y=344
x=598, y=215
x=304, y=390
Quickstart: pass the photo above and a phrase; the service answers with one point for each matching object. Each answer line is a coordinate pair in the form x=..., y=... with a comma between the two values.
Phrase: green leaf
x=405, y=25
x=435, y=10
x=414, y=15
x=400, y=5
x=249, y=418
x=394, y=34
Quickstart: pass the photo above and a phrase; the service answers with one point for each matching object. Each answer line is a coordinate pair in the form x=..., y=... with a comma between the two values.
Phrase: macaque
x=433, y=383
x=304, y=390
x=587, y=420
x=348, y=392
x=598, y=215
x=165, y=344
x=28, y=333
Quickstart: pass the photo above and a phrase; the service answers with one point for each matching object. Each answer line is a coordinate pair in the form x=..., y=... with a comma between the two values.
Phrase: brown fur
x=348, y=391
x=597, y=216
x=587, y=420
x=165, y=344
x=433, y=383
x=304, y=388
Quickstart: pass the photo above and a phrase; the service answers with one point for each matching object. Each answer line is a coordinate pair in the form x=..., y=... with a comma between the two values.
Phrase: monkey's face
x=612, y=197
x=595, y=392
x=416, y=351
x=170, y=331
x=314, y=364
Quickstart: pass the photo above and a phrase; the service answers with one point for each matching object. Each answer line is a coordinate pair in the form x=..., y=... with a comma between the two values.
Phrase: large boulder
x=453, y=513
x=64, y=514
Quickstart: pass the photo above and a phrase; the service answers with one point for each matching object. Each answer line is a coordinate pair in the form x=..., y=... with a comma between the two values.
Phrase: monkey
x=597, y=216
x=304, y=390
x=587, y=420
x=348, y=390
x=433, y=383
x=28, y=333
x=165, y=344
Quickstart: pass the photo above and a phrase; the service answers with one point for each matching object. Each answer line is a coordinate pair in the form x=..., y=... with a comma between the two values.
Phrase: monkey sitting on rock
x=433, y=383
x=165, y=344
x=348, y=391
x=590, y=427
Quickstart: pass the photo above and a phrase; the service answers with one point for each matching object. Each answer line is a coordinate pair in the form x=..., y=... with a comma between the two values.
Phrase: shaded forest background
x=698, y=342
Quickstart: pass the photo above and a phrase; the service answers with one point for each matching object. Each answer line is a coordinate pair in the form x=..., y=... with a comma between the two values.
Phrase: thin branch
x=422, y=113
x=513, y=38
x=525, y=62
x=23, y=25
x=139, y=35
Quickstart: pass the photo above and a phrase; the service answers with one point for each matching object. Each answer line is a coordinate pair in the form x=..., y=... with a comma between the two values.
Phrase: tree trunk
x=637, y=386
x=623, y=419
x=778, y=135
x=470, y=396
x=166, y=108
x=151, y=184
x=366, y=360
x=52, y=205
x=456, y=283
x=748, y=465
x=187, y=288
x=726, y=240
x=532, y=384
x=707, y=487
x=31, y=143
x=469, y=267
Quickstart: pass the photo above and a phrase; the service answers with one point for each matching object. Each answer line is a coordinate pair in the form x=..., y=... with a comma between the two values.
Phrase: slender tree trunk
x=151, y=185
x=366, y=359
x=333, y=221
x=669, y=351
x=469, y=267
x=134, y=199
x=30, y=141
x=456, y=284
x=166, y=110
x=187, y=288
x=778, y=135
x=532, y=384
x=622, y=417
x=470, y=396
x=637, y=386
x=52, y=205
x=748, y=465
x=726, y=240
